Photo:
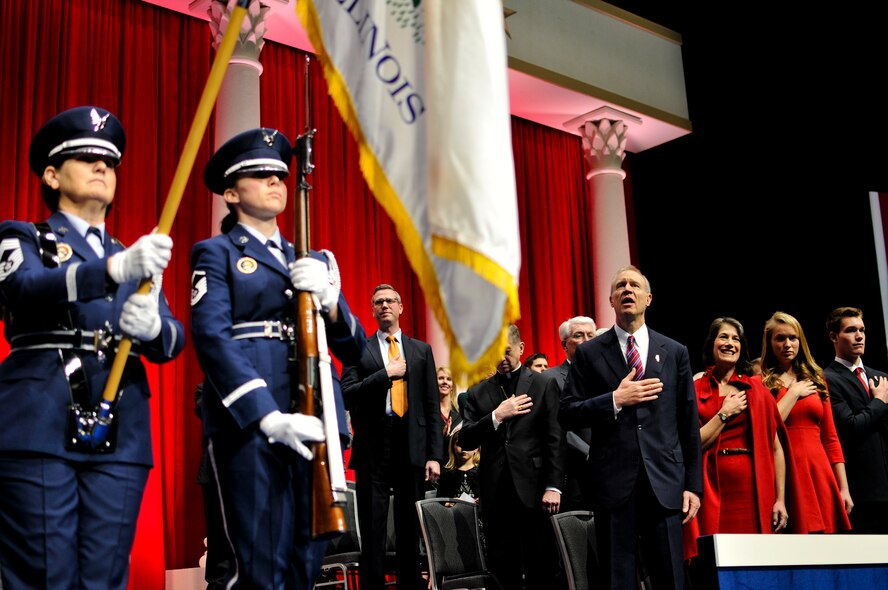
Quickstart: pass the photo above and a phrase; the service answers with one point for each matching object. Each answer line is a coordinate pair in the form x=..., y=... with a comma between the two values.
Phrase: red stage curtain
x=556, y=245
x=148, y=65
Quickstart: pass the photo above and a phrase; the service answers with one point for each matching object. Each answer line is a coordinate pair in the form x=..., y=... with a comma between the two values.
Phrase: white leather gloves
x=140, y=317
x=292, y=430
x=310, y=274
x=147, y=257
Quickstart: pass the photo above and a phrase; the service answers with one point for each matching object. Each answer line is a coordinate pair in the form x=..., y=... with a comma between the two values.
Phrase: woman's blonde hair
x=454, y=404
x=803, y=364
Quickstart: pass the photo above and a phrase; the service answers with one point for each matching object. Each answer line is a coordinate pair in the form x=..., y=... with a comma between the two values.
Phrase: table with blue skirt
x=784, y=562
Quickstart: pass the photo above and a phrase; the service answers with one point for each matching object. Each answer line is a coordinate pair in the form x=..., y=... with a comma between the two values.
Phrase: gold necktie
x=399, y=386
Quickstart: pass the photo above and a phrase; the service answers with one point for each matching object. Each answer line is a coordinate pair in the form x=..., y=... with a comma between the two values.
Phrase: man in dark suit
x=575, y=496
x=634, y=388
x=513, y=418
x=859, y=397
x=392, y=397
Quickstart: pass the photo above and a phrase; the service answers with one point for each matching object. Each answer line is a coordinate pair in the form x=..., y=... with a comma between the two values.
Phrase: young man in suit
x=392, y=397
x=634, y=388
x=513, y=418
x=859, y=397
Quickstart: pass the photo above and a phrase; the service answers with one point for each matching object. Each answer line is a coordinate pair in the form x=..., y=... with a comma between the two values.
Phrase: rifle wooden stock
x=327, y=516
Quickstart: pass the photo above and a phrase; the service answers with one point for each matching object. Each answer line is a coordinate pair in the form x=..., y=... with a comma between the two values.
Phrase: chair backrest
x=575, y=533
x=351, y=540
x=452, y=537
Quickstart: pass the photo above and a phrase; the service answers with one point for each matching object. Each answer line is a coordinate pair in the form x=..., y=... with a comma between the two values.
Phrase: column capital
x=252, y=34
x=604, y=146
x=605, y=132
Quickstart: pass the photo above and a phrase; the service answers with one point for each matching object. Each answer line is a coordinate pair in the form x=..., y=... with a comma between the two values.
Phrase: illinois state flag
x=422, y=85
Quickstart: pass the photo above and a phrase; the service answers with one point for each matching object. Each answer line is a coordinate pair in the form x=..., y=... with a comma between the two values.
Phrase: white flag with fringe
x=422, y=85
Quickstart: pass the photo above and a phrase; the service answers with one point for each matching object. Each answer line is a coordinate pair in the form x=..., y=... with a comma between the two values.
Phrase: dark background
x=765, y=205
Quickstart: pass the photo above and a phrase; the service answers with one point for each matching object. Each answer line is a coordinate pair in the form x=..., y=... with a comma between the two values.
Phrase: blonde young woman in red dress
x=799, y=387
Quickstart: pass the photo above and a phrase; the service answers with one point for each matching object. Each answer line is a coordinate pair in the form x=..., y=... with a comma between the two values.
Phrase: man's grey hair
x=566, y=327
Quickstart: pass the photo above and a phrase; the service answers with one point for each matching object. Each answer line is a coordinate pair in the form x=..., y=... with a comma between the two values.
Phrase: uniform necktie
x=399, y=386
x=859, y=371
x=94, y=239
x=633, y=358
x=275, y=249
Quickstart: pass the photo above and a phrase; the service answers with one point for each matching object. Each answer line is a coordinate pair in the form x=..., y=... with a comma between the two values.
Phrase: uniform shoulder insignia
x=64, y=251
x=247, y=265
x=11, y=257
x=198, y=286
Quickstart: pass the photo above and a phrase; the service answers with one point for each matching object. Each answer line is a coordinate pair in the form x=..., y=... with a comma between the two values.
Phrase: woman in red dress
x=744, y=468
x=799, y=387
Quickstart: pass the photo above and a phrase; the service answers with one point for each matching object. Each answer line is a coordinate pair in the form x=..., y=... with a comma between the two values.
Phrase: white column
x=237, y=106
x=604, y=143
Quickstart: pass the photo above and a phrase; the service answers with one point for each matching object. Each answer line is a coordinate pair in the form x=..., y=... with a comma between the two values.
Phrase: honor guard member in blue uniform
x=69, y=500
x=243, y=300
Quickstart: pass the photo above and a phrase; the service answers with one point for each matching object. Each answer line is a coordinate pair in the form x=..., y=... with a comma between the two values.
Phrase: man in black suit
x=644, y=455
x=392, y=397
x=859, y=397
x=575, y=493
x=513, y=418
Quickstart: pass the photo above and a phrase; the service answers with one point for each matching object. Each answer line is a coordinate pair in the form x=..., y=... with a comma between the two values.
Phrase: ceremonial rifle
x=314, y=363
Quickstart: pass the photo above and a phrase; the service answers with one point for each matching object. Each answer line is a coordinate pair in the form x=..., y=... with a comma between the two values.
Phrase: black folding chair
x=340, y=568
x=575, y=534
x=450, y=530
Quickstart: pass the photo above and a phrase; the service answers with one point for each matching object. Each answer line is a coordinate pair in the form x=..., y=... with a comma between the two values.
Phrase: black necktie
x=94, y=231
x=275, y=249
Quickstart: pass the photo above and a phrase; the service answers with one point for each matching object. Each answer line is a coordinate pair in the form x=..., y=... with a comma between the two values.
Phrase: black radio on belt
x=84, y=421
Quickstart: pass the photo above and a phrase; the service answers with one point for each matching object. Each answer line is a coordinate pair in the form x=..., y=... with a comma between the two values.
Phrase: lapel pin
x=657, y=357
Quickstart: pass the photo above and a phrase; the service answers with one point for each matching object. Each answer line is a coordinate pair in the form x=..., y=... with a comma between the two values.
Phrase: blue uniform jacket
x=236, y=280
x=34, y=393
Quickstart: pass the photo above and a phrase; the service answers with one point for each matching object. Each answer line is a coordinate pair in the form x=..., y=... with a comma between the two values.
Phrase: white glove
x=310, y=274
x=148, y=256
x=140, y=317
x=292, y=430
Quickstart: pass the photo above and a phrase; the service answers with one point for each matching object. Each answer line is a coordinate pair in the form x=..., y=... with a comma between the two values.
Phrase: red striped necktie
x=633, y=358
x=859, y=371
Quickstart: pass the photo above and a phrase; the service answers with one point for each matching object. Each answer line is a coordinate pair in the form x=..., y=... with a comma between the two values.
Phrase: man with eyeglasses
x=392, y=398
x=572, y=333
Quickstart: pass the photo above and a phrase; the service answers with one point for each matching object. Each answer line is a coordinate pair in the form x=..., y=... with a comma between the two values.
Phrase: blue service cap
x=81, y=130
x=256, y=150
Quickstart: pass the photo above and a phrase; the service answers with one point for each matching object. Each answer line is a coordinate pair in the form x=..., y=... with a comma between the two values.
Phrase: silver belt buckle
x=267, y=331
x=102, y=339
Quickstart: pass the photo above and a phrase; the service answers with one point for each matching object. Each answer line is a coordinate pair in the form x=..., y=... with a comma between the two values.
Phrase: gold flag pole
x=174, y=198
